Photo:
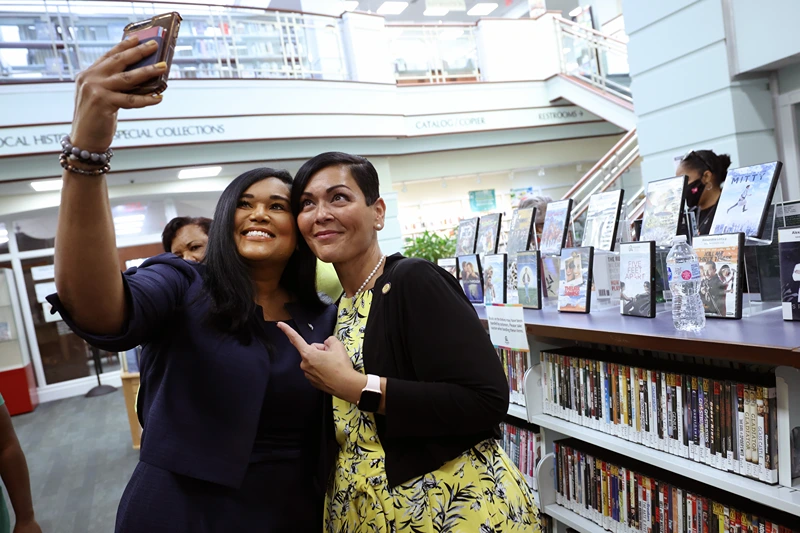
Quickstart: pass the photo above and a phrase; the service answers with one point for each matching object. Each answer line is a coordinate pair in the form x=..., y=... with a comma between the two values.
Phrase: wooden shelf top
x=764, y=338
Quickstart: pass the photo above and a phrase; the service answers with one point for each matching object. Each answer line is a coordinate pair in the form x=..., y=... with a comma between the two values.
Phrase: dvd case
x=494, y=279
x=602, y=220
x=637, y=279
x=556, y=222
x=721, y=260
x=467, y=236
x=663, y=210
x=789, y=253
x=471, y=277
x=745, y=199
x=529, y=290
x=488, y=234
x=575, y=280
x=450, y=264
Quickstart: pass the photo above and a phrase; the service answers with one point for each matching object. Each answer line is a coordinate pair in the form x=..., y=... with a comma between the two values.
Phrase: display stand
x=755, y=303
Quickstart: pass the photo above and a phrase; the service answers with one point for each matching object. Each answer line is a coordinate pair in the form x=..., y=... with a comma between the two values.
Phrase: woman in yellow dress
x=417, y=389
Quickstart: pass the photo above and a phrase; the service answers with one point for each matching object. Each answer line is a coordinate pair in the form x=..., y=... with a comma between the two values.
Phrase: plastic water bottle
x=683, y=274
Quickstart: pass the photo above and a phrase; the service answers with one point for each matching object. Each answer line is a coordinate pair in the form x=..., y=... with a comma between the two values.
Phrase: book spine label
x=762, y=471
x=740, y=428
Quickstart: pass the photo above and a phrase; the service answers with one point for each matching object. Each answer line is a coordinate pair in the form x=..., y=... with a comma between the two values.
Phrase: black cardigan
x=446, y=390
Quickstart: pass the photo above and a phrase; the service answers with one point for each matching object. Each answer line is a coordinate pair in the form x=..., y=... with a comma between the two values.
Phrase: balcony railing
x=56, y=39
x=434, y=54
x=594, y=57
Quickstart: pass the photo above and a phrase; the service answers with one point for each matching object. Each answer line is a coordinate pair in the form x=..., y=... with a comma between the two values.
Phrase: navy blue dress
x=232, y=429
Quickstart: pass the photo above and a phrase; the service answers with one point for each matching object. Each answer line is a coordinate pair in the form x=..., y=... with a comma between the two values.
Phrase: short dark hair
x=702, y=160
x=360, y=168
x=227, y=278
x=172, y=227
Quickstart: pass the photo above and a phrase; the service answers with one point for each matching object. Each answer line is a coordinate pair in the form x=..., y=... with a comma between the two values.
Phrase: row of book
x=525, y=448
x=515, y=364
x=706, y=414
x=625, y=496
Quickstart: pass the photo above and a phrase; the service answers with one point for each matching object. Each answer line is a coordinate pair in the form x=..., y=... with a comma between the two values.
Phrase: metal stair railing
x=605, y=173
x=593, y=57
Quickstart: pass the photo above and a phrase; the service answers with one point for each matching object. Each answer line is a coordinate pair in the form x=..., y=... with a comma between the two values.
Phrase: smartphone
x=164, y=30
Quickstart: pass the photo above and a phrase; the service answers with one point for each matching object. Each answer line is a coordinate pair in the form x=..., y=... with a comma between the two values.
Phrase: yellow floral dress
x=480, y=491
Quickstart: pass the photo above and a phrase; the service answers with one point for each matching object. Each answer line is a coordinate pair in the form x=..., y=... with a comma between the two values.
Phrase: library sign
x=48, y=138
x=496, y=120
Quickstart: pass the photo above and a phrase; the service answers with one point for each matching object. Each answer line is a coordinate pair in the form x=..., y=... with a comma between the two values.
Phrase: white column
x=366, y=47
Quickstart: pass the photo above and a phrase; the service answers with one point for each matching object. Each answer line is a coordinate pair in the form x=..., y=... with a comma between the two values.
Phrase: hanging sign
x=480, y=201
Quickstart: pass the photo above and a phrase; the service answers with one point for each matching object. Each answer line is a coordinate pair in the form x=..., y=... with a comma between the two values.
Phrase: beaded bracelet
x=84, y=156
x=64, y=160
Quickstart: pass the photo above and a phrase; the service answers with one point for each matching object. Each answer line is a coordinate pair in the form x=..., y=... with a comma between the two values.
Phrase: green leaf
x=430, y=246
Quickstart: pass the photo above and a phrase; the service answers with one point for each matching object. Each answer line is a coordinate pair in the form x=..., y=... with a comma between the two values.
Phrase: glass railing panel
x=434, y=54
x=57, y=39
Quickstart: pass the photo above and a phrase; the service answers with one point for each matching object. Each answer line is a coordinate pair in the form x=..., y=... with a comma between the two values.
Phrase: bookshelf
x=763, y=339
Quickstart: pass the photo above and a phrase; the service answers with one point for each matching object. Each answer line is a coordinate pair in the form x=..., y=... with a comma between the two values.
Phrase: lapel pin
x=386, y=288
x=312, y=327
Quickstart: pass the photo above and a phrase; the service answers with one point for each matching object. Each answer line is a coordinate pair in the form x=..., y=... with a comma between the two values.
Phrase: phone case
x=164, y=30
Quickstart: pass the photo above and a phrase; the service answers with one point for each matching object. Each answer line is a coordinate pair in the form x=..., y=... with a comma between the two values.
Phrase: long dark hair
x=360, y=168
x=227, y=278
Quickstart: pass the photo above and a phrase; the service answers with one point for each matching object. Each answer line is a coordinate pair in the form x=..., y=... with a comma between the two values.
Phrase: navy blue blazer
x=202, y=390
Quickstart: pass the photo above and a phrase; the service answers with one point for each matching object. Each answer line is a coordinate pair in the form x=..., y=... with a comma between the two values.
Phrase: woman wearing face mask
x=232, y=435
x=707, y=172
x=418, y=390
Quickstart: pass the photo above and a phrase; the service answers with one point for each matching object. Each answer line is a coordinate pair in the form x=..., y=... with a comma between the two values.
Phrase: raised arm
x=86, y=261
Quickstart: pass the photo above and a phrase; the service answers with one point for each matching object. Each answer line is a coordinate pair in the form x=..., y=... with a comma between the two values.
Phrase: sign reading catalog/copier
x=24, y=140
x=501, y=119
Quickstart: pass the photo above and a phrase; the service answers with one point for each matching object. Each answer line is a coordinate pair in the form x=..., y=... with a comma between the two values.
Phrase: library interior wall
x=766, y=32
x=703, y=108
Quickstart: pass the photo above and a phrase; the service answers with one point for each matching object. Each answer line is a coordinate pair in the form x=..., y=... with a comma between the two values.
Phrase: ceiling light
x=350, y=5
x=128, y=219
x=46, y=185
x=392, y=8
x=436, y=12
x=575, y=12
x=451, y=34
x=200, y=172
x=541, y=172
x=482, y=9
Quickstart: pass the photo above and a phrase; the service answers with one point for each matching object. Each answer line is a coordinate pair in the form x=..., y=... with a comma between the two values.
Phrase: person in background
x=707, y=172
x=232, y=429
x=418, y=390
x=186, y=237
x=540, y=203
x=14, y=471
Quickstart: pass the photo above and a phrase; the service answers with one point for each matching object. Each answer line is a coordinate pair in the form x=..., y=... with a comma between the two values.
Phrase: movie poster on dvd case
x=519, y=231
x=550, y=275
x=556, y=222
x=494, y=279
x=745, y=199
x=467, y=235
x=602, y=219
x=488, y=234
x=450, y=264
x=469, y=268
x=529, y=293
x=575, y=280
x=720, y=258
x=637, y=279
x=663, y=209
x=789, y=253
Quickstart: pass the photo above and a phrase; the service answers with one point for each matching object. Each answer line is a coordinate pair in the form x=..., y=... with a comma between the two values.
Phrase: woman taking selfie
x=418, y=390
x=231, y=436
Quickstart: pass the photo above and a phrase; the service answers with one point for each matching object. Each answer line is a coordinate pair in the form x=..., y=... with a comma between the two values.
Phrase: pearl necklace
x=371, y=274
